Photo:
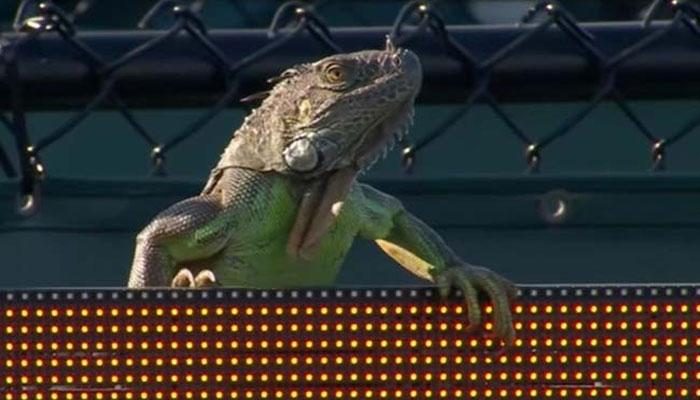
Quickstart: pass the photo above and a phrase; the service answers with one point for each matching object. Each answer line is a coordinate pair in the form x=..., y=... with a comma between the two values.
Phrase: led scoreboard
x=635, y=342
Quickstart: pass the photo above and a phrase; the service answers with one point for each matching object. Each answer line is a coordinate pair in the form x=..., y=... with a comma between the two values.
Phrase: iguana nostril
x=301, y=155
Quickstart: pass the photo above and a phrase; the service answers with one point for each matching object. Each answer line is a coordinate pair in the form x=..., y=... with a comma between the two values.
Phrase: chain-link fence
x=49, y=62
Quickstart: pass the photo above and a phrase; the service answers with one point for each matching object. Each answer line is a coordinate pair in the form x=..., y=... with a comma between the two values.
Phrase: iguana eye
x=334, y=73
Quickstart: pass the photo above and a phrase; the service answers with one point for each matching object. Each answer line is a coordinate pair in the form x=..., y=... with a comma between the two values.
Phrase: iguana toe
x=473, y=281
x=183, y=279
x=205, y=278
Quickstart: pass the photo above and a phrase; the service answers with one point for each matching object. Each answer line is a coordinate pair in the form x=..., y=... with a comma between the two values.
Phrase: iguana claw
x=183, y=279
x=205, y=278
x=473, y=281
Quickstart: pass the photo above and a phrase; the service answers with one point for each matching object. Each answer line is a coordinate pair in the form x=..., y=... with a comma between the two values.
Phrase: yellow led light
x=647, y=345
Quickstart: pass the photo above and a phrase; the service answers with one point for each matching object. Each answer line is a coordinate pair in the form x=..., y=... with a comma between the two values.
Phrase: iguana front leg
x=194, y=230
x=188, y=222
x=419, y=249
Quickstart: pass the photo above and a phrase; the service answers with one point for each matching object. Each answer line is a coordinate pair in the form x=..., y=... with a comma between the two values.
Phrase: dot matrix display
x=574, y=342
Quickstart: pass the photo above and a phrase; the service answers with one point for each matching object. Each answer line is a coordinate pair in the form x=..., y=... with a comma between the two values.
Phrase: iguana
x=282, y=207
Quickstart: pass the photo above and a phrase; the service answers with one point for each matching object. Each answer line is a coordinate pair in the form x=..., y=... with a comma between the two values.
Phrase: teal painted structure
x=622, y=224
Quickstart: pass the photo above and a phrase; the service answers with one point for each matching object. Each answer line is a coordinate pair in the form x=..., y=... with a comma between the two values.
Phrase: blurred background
x=594, y=212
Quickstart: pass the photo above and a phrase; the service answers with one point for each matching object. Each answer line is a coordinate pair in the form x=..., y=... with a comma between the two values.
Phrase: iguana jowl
x=282, y=207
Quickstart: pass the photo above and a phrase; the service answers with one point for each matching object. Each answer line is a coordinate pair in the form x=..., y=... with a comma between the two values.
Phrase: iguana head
x=352, y=108
x=343, y=111
x=324, y=122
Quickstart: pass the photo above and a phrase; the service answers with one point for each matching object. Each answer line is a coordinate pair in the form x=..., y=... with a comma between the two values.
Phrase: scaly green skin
x=237, y=231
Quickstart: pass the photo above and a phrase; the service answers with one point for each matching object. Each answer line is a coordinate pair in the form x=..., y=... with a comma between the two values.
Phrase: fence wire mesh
x=415, y=20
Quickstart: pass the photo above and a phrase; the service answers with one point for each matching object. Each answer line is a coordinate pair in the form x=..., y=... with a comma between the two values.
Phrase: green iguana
x=282, y=207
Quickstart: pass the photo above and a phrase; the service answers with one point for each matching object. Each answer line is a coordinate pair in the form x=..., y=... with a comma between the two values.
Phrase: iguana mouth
x=391, y=127
x=383, y=136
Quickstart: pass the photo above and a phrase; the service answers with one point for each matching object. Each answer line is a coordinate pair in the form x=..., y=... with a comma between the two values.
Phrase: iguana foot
x=205, y=278
x=473, y=281
x=183, y=279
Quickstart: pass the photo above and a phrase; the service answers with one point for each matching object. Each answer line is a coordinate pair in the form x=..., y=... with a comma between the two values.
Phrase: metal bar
x=180, y=73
